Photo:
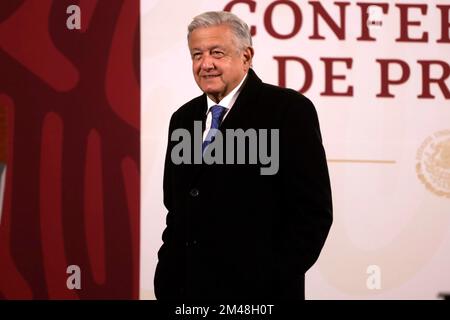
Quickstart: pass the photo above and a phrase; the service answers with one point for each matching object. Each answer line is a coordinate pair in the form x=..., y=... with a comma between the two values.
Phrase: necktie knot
x=217, y=113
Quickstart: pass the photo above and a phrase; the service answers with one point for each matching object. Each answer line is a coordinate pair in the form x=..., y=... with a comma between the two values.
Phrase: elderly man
x=232, y=232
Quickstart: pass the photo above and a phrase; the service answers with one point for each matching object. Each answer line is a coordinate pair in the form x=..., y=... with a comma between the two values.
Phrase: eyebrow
x=210, y=48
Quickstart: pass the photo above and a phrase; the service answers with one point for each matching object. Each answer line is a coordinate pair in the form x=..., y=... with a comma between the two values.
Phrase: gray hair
x=213, y=18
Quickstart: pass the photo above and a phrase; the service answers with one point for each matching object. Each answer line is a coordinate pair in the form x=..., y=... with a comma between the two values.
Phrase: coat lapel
x=245, y=105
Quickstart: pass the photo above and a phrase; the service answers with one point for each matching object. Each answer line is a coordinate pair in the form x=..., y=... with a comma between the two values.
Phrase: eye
x=217, y=54
x=196, y=55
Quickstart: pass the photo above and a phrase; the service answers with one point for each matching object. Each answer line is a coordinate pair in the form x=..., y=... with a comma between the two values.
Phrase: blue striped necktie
x=217, y=115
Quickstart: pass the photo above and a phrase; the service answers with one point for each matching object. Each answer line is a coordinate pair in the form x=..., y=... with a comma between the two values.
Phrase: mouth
x=210, y=76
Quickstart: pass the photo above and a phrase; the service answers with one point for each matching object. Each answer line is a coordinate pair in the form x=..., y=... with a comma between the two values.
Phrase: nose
x=207, y=63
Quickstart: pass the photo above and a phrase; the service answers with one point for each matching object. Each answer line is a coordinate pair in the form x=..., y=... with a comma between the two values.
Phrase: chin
x=212, y=86
x=212, y=91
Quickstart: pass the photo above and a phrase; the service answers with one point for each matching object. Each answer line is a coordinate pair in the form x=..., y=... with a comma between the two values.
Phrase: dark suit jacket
x=233, y=233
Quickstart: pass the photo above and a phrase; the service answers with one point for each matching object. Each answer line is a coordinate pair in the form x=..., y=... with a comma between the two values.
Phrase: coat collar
x=245, y=103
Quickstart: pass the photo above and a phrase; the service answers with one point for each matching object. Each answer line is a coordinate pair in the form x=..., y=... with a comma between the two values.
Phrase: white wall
x=386, y=214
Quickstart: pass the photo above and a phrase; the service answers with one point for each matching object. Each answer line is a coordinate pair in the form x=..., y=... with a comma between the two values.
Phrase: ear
x=247, y=56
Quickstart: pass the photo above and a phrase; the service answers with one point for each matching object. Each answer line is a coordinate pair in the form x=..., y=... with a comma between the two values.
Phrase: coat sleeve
x=166, y=281
x=306, y=187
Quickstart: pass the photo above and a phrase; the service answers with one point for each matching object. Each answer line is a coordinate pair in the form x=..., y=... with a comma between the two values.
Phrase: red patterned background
x=71, y=100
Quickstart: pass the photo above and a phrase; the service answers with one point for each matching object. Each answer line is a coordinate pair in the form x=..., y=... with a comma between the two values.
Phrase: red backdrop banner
x=69, y=226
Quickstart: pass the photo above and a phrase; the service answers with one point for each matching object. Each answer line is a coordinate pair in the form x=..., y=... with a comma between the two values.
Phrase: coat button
x=194, y=192
x=191, y=243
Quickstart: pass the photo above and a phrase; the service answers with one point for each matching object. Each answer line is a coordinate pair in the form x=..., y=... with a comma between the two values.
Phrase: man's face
x=217, y=63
